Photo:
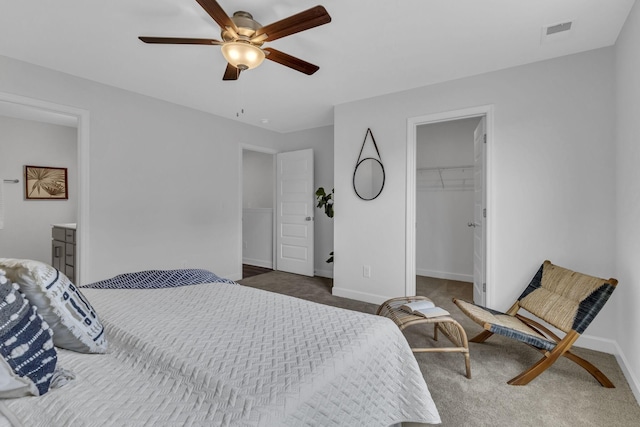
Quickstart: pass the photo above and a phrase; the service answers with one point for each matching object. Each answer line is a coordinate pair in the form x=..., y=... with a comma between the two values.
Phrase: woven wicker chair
x=567, y=300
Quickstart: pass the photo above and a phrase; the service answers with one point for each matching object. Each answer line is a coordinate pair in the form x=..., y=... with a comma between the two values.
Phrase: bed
x=219, y=353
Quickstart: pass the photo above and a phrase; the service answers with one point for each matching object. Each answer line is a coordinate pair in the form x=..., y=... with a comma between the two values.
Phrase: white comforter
x=221, y=354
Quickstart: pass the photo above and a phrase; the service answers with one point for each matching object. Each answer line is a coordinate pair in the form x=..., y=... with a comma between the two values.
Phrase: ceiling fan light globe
x=243, y=56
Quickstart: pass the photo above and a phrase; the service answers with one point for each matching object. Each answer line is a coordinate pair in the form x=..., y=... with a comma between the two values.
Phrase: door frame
x=272, y=152
x=83, y=137
x=410, y=224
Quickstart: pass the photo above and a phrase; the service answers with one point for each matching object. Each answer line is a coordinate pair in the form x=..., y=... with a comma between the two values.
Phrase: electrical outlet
x=366, y=271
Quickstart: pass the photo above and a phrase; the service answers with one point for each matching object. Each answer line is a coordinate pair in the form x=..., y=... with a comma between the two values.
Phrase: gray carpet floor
x=564, y=395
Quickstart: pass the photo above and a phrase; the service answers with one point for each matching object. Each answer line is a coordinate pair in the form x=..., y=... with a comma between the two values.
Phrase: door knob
x=472, y=224
x=308, y=218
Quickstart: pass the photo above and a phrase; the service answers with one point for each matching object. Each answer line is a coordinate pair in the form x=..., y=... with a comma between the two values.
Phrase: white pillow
x=27, y=355
x=74, y=322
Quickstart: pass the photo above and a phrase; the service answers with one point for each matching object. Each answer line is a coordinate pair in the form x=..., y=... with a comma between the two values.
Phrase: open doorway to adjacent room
x=63, y=135
x=447, y=203
x=258, y=189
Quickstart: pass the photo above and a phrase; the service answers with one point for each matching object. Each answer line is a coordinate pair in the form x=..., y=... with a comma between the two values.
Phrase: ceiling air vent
x=558, y=28
x=560, y=31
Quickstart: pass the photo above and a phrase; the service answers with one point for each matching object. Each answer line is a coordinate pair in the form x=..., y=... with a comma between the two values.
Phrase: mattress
x=224, y=354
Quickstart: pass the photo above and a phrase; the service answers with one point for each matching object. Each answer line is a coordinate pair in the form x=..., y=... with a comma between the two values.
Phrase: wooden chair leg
x=589, y=367
x=561, y=348
x=481, y=337
x=536, y=369
x=467, y=364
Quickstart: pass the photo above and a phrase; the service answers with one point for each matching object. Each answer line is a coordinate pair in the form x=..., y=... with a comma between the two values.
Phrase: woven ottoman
x=445, y=324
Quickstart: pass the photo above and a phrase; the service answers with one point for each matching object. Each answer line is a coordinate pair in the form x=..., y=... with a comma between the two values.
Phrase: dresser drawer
x=58, y=233
x=57, y=254
x=70, y=272
x=63, y=248
x=70, y=254
x=63, y=234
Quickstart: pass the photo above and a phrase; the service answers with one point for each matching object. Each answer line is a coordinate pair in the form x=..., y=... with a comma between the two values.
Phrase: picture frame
x=45, y=183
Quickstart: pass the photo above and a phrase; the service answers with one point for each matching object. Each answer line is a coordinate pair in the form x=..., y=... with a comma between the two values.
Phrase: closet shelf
x=445, y=178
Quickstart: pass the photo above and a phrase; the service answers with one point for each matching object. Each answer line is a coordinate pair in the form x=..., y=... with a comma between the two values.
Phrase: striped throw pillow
x=75, y=323
x=27, y=355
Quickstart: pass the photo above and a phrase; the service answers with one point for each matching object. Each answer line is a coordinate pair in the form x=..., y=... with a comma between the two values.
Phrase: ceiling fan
x=243, y=37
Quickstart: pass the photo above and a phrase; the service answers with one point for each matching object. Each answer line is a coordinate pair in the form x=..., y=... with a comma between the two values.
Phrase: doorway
x=47, y=112
x=258, y=218
x=292, y=203
x=453, y=184
x=444, y=199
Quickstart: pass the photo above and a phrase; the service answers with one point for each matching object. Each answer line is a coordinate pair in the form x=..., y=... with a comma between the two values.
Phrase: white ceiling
x=371, y=47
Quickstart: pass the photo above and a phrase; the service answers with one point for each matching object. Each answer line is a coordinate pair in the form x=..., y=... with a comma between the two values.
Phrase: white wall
x=444, y=242
x=628, y=198
x=27, y=223
x=258, y=179
x=447, y=143
x=552, y=174
x=257, y=237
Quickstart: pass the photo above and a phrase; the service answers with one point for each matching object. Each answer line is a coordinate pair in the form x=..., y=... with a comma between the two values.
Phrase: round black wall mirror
x=368, y=178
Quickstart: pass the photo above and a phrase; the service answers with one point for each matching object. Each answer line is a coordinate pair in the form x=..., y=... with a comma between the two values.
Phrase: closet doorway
x=447, y=198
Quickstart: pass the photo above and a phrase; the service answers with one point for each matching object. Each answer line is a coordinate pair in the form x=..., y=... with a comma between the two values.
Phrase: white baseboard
x=258, y=262
x=359, y=296
x=598, y=344
x=611, y=347
x=444, y=275
x=628, y=373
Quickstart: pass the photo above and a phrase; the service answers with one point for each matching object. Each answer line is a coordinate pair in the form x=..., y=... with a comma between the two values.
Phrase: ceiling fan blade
x=178, y=40
x=231, y=73
x=294, y=24
x=218, y=14
x=291, y=61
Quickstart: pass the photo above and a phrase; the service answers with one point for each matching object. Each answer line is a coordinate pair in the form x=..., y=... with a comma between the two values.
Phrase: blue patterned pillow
x=74, y=322
x=27, y=355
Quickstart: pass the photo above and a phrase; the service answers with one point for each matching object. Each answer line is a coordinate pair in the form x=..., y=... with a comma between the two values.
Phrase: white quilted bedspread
x=221, y=354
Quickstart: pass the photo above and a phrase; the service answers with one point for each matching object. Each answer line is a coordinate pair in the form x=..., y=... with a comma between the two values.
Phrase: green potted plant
x=325, y=201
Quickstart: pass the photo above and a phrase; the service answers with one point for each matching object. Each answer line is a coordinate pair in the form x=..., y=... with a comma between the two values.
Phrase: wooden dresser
x=63, y=249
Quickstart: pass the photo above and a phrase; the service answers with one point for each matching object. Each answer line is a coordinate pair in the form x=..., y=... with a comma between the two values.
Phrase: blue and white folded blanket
x=157, y=279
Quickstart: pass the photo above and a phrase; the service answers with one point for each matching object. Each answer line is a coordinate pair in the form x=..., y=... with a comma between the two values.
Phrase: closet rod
x=440, y=168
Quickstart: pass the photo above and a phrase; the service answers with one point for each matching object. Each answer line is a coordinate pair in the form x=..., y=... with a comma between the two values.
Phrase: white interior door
x=295, y=200
x=479, y=213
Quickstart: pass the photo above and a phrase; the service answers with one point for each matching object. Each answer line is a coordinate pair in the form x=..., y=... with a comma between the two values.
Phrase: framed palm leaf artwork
x=45, y=183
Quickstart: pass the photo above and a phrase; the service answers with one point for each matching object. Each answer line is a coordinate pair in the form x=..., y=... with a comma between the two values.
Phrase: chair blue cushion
x=525, y=338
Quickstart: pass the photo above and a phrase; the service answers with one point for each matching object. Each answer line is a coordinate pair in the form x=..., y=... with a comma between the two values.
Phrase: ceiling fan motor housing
x=247, y=27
